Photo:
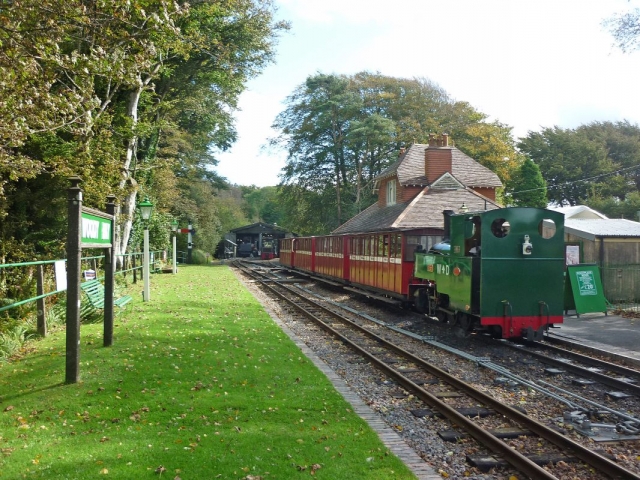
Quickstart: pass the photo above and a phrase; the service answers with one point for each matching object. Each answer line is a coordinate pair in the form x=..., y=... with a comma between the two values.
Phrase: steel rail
x=516, y=459
x=600, y=377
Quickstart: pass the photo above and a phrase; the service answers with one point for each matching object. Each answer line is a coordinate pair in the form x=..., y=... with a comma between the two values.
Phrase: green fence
x=35, y=277
x=621, y=284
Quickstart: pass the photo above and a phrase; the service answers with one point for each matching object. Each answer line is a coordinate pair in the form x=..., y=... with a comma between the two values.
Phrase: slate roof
x=610, y=227
x=448, y=192
x=259, y=227
x=424, y=211
x=410, y=169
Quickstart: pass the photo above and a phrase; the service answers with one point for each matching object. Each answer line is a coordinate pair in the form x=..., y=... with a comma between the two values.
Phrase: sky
x=530, y=64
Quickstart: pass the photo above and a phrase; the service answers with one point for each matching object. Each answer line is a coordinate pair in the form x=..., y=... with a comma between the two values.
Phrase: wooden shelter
x=255, y=240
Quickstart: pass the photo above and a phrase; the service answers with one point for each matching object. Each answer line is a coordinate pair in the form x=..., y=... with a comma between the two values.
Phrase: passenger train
x=499, y=271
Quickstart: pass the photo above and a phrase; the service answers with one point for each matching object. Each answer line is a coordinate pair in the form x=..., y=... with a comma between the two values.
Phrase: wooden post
x=109, y=277
x=40, y=303
x=74, y=251
x=133, y=268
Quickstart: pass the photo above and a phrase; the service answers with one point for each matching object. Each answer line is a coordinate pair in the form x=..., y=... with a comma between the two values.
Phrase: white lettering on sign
x=442, y=269
x=106, y=231
x=90, y=228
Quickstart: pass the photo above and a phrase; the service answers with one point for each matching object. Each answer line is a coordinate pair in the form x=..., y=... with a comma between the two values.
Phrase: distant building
x=258, y=240
x=611, y=243
x=579, y=212
x=424, y=181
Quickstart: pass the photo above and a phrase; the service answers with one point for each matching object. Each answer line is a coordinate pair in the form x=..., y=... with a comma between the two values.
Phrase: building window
x=391, y=192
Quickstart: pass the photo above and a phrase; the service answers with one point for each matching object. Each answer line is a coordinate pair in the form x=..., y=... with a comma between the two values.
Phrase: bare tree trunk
x=128, y=183
x=338, y=196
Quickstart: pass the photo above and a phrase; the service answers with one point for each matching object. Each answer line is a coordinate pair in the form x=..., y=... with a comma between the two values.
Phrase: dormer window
x=391, y=192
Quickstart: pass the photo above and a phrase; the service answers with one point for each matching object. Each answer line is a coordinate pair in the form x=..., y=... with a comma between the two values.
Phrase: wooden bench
x=94, y=291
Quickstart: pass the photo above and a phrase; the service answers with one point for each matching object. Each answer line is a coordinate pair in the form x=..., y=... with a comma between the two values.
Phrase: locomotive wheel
x=422, y=301
x=442, y=316
x=464, y=321
x=495, y=331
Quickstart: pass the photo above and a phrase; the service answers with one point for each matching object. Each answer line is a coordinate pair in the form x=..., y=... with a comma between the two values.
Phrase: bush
x=198, y=257
x=12, y=340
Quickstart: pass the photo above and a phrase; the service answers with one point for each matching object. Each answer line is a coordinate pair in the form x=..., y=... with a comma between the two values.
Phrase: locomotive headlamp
x=527, y=248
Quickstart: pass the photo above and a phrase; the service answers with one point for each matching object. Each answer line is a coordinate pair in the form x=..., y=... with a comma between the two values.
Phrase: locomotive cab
x=503, y=273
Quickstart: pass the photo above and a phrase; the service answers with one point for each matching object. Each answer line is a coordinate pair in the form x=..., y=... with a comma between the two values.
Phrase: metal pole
x=189, y=244
x=175, y=255
x=145, y=265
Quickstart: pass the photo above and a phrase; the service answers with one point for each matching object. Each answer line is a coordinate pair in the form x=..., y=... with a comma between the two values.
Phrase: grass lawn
x=199, y=384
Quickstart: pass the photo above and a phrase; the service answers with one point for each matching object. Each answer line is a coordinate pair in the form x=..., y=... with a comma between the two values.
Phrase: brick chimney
x=437, y=157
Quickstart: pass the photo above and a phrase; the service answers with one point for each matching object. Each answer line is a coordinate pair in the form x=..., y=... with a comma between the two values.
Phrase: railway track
x=414, y=374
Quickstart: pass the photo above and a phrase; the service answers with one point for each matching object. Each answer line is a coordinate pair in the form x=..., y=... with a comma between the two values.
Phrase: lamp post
x=145, y=208
x=174, y=229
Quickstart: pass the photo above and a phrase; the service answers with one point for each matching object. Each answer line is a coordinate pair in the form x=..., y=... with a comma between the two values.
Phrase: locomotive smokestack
x=447, y=223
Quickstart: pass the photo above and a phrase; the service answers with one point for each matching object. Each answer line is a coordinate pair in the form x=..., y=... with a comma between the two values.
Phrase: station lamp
x=145, y=208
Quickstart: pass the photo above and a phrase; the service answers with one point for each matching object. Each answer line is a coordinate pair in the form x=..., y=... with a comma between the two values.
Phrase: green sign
x=586, y=282
x=95, y=231
x=583, y=289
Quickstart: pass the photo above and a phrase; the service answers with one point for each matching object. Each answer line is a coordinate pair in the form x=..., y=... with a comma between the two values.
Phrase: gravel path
x=413, y=439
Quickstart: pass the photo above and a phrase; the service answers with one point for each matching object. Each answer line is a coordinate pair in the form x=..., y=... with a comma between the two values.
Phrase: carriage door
x=473, y=246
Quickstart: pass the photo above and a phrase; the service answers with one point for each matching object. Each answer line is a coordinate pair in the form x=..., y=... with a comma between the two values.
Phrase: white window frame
x=391, y=192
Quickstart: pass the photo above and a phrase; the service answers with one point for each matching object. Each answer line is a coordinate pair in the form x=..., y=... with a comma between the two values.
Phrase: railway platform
x=613, y=333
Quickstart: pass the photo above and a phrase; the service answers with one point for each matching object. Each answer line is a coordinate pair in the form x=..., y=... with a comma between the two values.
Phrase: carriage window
x=395, y=246
x=500, y=227
x=547, y=228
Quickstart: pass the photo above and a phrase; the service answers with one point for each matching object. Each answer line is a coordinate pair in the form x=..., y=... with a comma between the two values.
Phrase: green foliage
x=625, y=28
x=198, y=257
x=527, y=188
x=12, y=340
x=200, y=381
x=341, y=131
x=599, y=159
x=263, y=205
x=130, y=96
x=615, y=208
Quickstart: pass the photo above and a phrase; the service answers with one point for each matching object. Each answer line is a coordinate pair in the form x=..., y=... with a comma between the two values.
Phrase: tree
x=132, y=96
x=341, y=131
x=262, y=204
x=598, y=160
x=614, y=208
x=527, y=188
x=567, y=161
x=314, y=130
x=625, y=28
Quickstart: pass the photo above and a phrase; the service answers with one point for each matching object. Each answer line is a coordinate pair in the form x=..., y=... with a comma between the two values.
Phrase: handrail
x=48, y=262
x=22, y=302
